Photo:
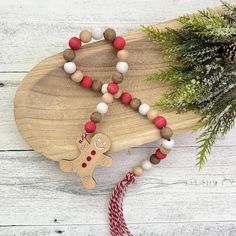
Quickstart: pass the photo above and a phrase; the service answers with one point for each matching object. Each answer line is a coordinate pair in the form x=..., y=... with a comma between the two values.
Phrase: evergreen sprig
x=204, y=80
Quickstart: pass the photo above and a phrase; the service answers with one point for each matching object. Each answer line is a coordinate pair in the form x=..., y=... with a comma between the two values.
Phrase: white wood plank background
x=36, y=198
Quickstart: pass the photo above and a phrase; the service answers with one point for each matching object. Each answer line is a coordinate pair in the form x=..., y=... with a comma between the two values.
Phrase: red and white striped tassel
x=118, y=227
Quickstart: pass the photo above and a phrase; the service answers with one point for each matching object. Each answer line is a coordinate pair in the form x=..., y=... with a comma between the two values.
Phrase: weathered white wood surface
x=38, y=199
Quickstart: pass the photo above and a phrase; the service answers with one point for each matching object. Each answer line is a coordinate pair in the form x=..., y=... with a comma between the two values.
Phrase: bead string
x=118, y=227
x=85, y=81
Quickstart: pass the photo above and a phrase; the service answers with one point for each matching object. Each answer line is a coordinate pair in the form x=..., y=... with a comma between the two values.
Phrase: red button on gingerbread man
x=91, y=155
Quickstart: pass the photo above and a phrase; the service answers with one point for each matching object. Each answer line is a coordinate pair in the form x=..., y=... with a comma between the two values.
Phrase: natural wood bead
x=164, y=150
x=97, y=85
x=96, y=117
x=69, y=55
x=109, y=34
x=138, y=171
x=135, y=103
x=77, y=76
x=154, y=160
x=107, y=98
x=117, y=77
x=118, y=94
x=152, y=114
x=123, y=55
x=166, y=133
x=85, y=36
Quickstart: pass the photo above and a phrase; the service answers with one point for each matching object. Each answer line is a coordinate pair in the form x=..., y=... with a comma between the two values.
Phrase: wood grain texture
x=171, y=197
x=37, y=199
x=50, y=109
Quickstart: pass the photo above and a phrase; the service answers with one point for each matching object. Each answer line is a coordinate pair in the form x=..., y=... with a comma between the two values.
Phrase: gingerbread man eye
x=99, y=139
x=104, y=143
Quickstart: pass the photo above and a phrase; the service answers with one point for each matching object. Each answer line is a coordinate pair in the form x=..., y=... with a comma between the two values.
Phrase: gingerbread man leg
x=88, y=182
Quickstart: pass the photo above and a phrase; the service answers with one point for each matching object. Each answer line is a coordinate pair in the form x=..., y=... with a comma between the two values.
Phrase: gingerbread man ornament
x=91, y=155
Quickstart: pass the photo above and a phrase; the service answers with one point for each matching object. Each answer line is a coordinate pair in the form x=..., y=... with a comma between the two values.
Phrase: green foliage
x=204, y=81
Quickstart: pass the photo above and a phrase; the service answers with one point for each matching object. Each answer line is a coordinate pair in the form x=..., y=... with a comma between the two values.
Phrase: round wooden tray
x=50, y=109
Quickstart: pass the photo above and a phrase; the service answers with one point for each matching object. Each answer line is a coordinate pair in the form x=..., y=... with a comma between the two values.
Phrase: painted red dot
x=159, y=154
x=86, y=82
x=125, y=98
x=93, y=152
x=75, y=43
x=89, y=158
x=112, y=88
x=119, y=43
x=84, y=164
x=160, y=122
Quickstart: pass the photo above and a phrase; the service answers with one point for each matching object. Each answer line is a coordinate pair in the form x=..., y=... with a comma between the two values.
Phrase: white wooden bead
x=168, y=144
x=122, y=67
x=146, y=165
x=102, y=107
x=144, y=109
x=104, y=88
x=70, y=67
x=97, y=33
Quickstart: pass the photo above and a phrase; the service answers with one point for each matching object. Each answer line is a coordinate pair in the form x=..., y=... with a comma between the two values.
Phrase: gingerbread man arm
x=104, y=160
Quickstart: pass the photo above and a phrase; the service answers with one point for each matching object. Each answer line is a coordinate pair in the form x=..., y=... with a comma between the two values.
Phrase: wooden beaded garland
x=86, y=81
x=110, y=91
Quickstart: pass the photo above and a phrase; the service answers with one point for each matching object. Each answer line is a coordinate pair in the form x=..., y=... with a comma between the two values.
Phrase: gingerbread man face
x=101, y=143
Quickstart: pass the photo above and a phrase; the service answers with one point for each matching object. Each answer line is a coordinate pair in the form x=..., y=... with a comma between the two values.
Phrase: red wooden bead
x=160, y=155
x=160, y=122
x=86, y=82
x=112, y=88
x=125, y=98
x=119, y=43
x=90, y=127
x=75, y=43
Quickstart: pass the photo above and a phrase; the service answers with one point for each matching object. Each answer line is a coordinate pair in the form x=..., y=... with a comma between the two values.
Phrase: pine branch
x=203, y=79
x=221, y=123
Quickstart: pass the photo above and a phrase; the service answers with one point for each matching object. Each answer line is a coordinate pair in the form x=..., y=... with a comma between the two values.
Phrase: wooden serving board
x=50, y=109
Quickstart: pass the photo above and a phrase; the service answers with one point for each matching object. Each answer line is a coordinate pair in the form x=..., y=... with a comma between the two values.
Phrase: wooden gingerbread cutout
x=91, y=155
